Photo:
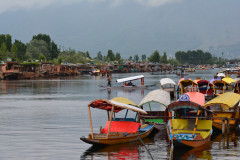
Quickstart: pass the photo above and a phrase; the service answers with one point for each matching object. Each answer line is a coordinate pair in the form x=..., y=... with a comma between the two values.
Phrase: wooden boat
x=237, y=86
x=128, y=85
x=190, y=69
x=157, y=114
x=190, y=125
x=205, y=87
x=223, y=85
x=186, y=85
x=225, y=106
x=168, y=85
x=117, y=130
x=182, y=74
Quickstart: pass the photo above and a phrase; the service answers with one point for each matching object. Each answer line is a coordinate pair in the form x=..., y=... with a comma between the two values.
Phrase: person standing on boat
x=109, y=81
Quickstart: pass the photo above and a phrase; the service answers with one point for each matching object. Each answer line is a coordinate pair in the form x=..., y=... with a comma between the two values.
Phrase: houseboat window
x=218, y=107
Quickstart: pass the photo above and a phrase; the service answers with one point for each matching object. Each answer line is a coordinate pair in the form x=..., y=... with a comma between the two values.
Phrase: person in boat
x=109, y=81
x=130, y=83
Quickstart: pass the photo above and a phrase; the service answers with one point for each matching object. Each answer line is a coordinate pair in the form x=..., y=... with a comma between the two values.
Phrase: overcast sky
x=127, y=26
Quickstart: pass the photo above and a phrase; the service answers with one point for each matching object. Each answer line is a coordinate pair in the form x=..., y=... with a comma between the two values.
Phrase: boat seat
x=124, y=119
x=122, y=126
x=145, y=128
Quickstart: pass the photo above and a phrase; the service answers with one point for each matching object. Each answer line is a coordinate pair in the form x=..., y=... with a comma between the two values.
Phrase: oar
x=145, y=147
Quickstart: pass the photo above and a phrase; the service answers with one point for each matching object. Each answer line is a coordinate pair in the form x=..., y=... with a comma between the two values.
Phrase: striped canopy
x=119, y=103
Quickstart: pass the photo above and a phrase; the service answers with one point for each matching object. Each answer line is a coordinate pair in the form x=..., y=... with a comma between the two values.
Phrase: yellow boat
x=225, y=106
x=190, y=125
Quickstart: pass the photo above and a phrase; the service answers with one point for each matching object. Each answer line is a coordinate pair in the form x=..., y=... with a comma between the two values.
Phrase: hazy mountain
x=131, y=27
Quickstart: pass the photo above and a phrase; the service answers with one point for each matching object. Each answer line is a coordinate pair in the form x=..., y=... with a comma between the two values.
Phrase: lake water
x=44, y=119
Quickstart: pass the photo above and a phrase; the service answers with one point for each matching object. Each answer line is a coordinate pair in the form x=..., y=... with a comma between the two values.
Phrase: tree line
x=43, y=48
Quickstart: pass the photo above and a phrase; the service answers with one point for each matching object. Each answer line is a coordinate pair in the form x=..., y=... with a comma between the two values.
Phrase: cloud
x=14, y=5
x=156, y=3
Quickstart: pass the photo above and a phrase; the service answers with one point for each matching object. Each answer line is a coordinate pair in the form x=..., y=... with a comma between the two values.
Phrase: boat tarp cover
x=165, y=81
x=158, y=95
x=228, y=99
x=129, y=78
x=184, y=125
x=118, y=106
x=221, y=75
x=122, y=126
x=124, y=100
x=219, y=83
x=186, y=82
x=229, y=80
x=214, y=79
x=196, y=102
x=196, y=97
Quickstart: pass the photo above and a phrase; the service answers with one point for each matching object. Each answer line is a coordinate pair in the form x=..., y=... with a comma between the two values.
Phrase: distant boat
x=128, y=85
x=168, y=85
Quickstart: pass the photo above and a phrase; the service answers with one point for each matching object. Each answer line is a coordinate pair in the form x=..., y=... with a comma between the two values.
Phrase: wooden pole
x=170, y=115
x=227, y=132
x=195, y=127
x=223, y=131
x=90, y=120
x=223, y=126
x=110, y=121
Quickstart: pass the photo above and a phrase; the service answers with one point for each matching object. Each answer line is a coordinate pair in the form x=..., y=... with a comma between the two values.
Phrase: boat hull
x=117, y=139
x=190, y=143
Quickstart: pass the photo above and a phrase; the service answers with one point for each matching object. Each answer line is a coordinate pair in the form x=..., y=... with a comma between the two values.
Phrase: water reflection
x=120, y=151
x=201, y=152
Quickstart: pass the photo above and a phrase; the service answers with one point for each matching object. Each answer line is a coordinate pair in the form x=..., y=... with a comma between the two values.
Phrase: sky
x=128, y=27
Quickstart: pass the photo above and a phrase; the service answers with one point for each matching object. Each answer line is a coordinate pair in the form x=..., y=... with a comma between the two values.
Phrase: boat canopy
x=165, y=81
x=158, y=95
x=186, y=82
x=229, y=80
x=118, y=106
x=228, y=99
x=129, y=78
x=201, y=82
x=214, y=79
x=221, y=75
x=191, y=100
x=219, y=83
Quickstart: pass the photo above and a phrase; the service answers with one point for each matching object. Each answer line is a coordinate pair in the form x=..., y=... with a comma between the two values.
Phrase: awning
x=165, y=81
x=229, y=80
x=129, y=78
x=118, y=106
x=228, y=99
x=158, y=95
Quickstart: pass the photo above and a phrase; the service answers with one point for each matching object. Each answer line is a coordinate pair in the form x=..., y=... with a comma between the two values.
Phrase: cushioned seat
x=122, y=126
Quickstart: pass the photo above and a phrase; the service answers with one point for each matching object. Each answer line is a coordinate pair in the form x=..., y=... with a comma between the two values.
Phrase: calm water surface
x=44, y=119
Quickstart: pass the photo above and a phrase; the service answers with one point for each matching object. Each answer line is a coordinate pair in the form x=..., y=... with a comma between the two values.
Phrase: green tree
x=14, y=51
x=136, y=58
x=3, y=52
x=144, y=57
x=110, y=56
x=99, y=56
x=118, y=56
x=88, y=55
x=155, y=57
x=164, y=58
x=42, y=57
x=21, y=50
x=8, y=41
x=130, y=58
x=51, y=46
x=36, y=47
